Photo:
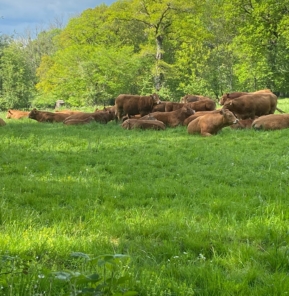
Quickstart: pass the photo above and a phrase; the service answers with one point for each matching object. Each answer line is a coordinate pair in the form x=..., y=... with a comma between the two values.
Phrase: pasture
x=95, y=208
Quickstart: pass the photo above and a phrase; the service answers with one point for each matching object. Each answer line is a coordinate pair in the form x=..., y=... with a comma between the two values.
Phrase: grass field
x=98, y=210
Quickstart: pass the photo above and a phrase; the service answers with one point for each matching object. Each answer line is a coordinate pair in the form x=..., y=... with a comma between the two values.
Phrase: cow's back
x=271, y=122
x=253, y=104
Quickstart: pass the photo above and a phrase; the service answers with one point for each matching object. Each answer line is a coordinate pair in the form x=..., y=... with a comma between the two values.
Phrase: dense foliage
x=142, y=46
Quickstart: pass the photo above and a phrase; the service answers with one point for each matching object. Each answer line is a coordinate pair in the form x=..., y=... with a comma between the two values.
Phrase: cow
x=211, y=124
x=243, y=123
x=16, y=114
x=271, y=122
x=160, y=107
x=173, y=118
x=172, y=106
x=251, y=105
x=234, y=95
x=78, y=121
x=203, y=105
x=197, y=114
x=67, y=111
x=126, y=104
x=45, y=116
x=2, y=122
x=99, y=116
x=143, y=124
x=193, y=98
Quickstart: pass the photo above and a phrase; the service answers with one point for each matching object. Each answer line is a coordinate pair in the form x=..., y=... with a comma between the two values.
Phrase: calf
x=143, y=124
x=243, y=123
x=210, y=124
x=173, y=118
x=271, y=122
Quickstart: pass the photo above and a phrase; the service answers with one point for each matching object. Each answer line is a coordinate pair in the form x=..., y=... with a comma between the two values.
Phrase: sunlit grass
x=197, y=216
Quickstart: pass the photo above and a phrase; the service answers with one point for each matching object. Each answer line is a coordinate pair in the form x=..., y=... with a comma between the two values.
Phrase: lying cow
x=143, y=124
x=78, y=121
x=203, y=105
x=2, y=122
x=173, y=118
x=126, y=104
x=197, y=114
x=243, y=124
x=45, y=116
x=172, y=106
x=271, y=122
x=99, y=116
x=210, y=124
x=67, y=111
x=251, y=105
x=16, y=114
x=193, y=98
x=160, y=107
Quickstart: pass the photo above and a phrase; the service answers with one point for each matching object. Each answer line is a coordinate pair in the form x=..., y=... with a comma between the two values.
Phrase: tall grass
x=196, y=216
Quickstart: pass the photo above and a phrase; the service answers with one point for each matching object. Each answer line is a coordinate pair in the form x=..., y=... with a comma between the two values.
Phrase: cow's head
x=229, y=117
x=9, y=113
x=156, y=99
x=33, y=113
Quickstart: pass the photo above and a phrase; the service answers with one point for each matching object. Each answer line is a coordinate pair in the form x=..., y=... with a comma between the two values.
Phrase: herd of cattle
x=239, y=110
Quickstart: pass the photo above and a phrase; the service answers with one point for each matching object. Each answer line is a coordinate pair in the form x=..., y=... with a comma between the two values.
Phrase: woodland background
x=171, y=47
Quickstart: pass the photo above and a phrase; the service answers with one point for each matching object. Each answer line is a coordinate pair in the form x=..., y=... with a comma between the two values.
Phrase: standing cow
x=133, y=104
x=251, y=105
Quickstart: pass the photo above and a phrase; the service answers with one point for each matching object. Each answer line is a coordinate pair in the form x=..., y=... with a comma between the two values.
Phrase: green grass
x=196, y=216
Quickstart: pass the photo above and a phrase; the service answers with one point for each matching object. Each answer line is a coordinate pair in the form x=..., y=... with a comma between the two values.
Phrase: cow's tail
x=281, y=111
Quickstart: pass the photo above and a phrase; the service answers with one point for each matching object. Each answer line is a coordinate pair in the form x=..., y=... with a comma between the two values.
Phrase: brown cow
x=210, y=124
x=193, y=98
x=2, y=122
x=143, y=124
x=16, y=114
x=234, y=95
x=173, y=118
x=67, y=111
x=271, y=122
x=45, y=116
x=132, y=104
x=251, y=105
x=197, y=114
x=99, y=116
x=172, y=106
x=78, y=121
x=160, y=107
x=243, y=123
x=204, y=105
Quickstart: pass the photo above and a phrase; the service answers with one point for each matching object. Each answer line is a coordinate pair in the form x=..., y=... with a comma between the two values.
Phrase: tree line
x=171, y=47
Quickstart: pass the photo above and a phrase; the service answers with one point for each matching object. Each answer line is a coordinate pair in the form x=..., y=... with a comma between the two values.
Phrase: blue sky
x=22, y=17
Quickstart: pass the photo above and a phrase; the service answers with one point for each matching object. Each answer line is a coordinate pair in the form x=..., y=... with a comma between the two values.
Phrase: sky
x=22, y=17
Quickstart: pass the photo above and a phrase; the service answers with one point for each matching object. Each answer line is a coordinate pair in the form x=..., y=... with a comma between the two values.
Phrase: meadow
x=98, y=210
